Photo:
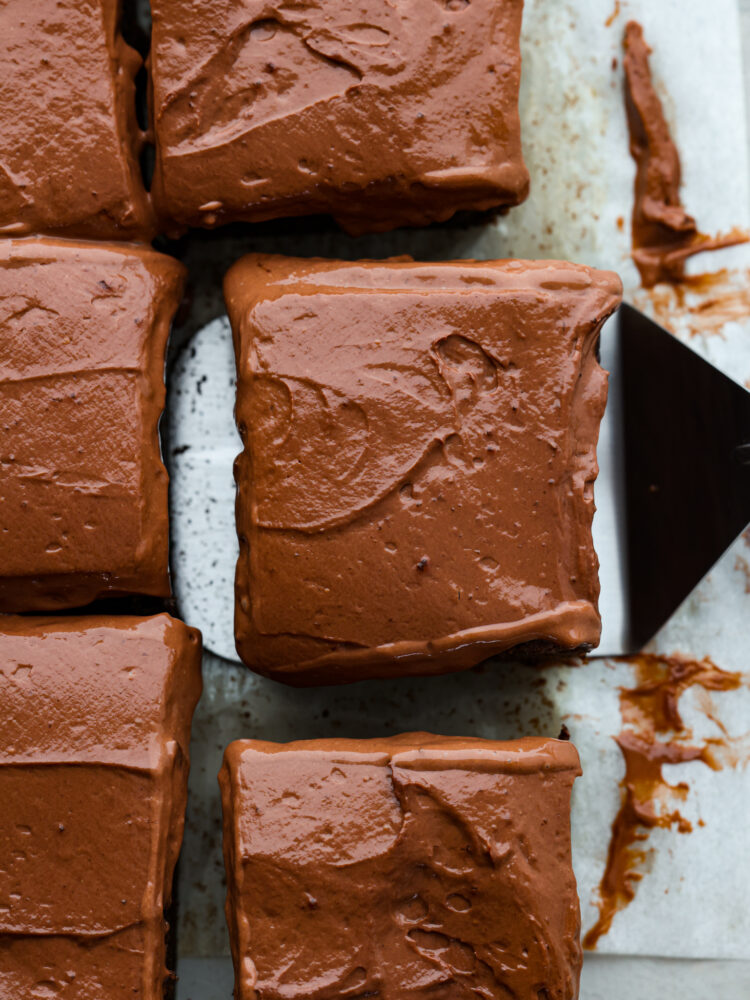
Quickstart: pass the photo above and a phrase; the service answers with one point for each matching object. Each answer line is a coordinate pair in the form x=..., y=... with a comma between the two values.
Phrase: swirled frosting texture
x=83, y=491
x=381, y=114
x=69, y=140
x=416, y=489
x=93, y=783
x=413, y=866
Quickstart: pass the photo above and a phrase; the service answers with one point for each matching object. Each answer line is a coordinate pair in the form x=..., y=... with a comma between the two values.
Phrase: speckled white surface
x=574, y=142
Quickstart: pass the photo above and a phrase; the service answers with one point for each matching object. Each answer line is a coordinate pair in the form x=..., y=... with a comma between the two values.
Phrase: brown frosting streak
x=649, y=710
x=664, y=235
x=403, y=866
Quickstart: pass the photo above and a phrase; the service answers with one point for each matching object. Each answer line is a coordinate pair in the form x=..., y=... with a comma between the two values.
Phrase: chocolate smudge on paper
x=664, y=235
x=701, y=304
x=741, y=565
x=648, y=710
x=613, y=16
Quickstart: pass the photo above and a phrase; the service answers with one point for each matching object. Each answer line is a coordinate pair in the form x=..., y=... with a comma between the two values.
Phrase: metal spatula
x=680, y=482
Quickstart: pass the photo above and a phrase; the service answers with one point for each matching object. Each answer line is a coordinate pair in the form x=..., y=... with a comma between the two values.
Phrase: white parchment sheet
x=692, y=901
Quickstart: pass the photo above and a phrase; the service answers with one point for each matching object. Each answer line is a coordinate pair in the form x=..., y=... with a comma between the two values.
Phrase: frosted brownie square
x=83, y=497
x=380, y=114
x=69, y=139
x=93, y=783
x=416, y=489
x=401, y=867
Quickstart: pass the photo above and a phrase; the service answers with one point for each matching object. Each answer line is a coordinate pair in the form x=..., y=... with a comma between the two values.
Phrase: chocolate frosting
x=651, y=709
x=380, y=114
x=83, y=508
x=416, y=490
x=93, y=783
x=69, y=140
x=664, y=235
x=409, y=866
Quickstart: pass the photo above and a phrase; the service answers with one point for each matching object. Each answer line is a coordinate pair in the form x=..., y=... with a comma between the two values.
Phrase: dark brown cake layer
x=93, y=783
x=69, y=140
x=83, y=504
x=379, y=114
x=405, y=867
x=416, y=489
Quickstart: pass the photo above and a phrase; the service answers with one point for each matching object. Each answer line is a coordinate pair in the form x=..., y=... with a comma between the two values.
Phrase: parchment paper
x=692, y=901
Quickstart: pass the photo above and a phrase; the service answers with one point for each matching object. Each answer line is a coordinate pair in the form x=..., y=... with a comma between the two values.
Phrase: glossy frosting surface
x=416, y=489
x=83, y=505
x=69, y=140
x=381, y=114
x=93, y=783
x=402, y=867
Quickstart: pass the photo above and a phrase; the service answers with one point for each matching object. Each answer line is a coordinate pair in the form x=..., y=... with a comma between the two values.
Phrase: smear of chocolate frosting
x=664, y=235
x=381, y=114
x=94, y=745
x=404, y=867
x=415, y=493
x=649, y=710
x=700, y=304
